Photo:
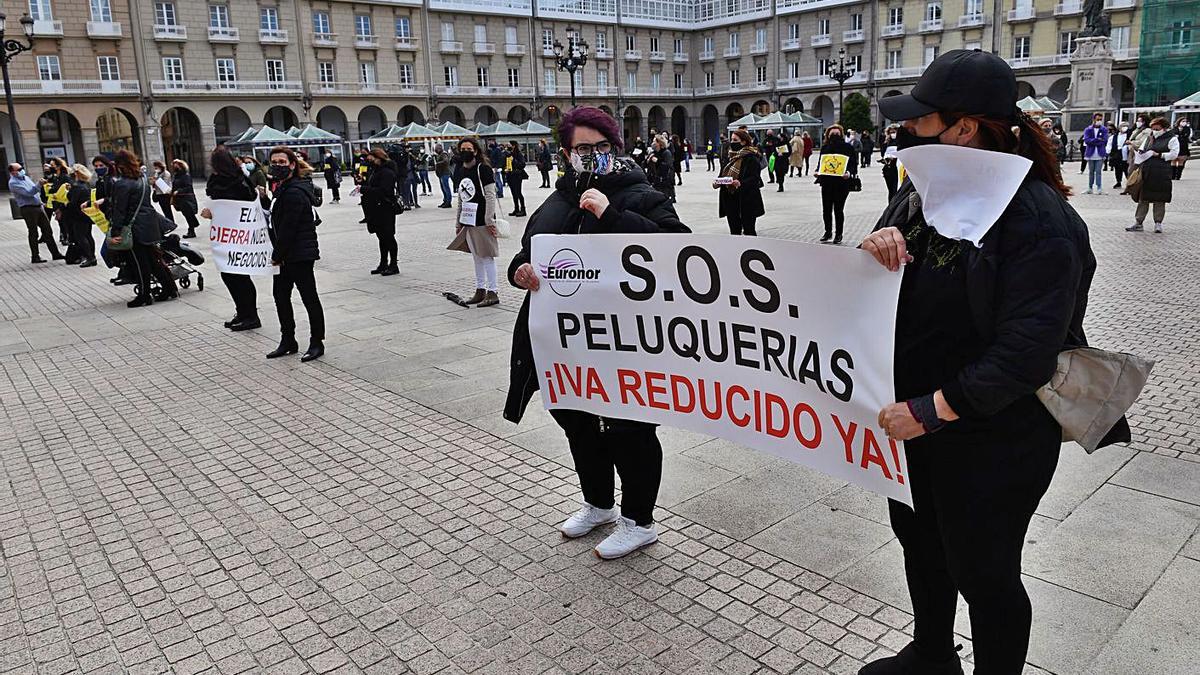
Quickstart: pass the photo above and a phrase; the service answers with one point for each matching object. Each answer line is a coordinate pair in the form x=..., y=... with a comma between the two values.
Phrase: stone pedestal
x=1091, y=78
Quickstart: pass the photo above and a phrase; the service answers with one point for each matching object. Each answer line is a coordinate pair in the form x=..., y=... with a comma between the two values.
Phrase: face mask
x=101, y=170
x=1124, y=129
x=1184, y=124
x=907, y=139
x=280, y=173
x=1157, y=132
x=1139, y=124
x=467, y=158
x=246, y=169
x=734, y=145
x=1096, y=123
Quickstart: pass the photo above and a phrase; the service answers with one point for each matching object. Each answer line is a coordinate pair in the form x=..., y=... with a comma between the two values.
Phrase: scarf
x=734, y=168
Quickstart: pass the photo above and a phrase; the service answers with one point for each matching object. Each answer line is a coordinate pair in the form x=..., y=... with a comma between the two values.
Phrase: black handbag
x=855, y=184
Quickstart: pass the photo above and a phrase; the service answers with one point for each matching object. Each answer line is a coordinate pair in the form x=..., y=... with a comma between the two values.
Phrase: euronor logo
x=566, y=273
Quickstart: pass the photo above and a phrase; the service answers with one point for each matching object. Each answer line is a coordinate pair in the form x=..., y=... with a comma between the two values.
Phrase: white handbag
x=503, y=228
x=1091, y=389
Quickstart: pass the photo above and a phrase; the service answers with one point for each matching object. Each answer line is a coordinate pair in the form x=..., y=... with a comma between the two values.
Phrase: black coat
x=236, y=187
x=1027, y=287
x=747, y=199
x=78, y=195
x=660, y=167
x=1156, y=172
x=634, y=208
x=184, y=199
x=518, y=168
x=379, y=196
x=332, y=168
x=293, y=222
x=127, y=194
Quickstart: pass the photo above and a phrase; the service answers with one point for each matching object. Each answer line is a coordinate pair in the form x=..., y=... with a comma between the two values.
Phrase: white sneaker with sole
x=1158, y=228
x=586, y=519
x=627, y=538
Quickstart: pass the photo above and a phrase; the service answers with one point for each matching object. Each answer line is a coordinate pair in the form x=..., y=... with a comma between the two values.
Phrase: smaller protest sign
x=832, y=165
x=241, y=243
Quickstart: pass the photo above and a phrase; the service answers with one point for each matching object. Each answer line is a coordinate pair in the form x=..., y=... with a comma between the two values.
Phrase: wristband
x=924, y=411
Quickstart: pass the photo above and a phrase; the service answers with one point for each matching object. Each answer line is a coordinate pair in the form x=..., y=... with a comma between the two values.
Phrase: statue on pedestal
x=1096, y=21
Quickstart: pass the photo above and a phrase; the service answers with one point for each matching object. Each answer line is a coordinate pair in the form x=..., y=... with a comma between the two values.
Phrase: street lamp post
x=571, y=58
x=13, y=47
x=840, y=73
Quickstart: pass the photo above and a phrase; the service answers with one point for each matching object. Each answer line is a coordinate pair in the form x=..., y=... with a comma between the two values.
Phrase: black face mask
x=280, y=173
x=907, y=139
x=734, y=145
x=466, y=157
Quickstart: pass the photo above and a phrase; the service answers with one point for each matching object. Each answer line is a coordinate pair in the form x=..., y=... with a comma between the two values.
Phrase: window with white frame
x=631, y=80
x=709, y=79
x=793, y=31
x=549, y=79
x=49, y=68
x=1119, y=38
x=856, y=21
x=735, y=76
x=510, y=35
x=972, y=45
x=326, y=73
x=1066, y=42
x=734, y=40
x=760, y=37
x=679, y=80
x=655, y=80
x=822, y=66
x=933, y=11
x=448, y=31
x=973, y=7
x=893, y=60
x=362, y=25
x=855, y=63
x=547, y=39
x=895, y=16
x=480, y=32
x=601, y=39
x=514, y=77
x=172, y=69
x=40, y=10
x=708, y=43
x=164, y=14
x=366, y=73
x=578, y=77
x=760, y=74
x=101, y=10
x=482, y=77
x=321, y=23
x=793, y=70
x=1181, y=33
x=572, y=36
x=602, y=78
x=218, y=16
x=406, y=75
x=226, y=72
x=274, y=69
x=678, y=45
x=822, y=26
x=1021, y=47
x=653, y=43
x=403, y=27
x=450, y=76
x=110, y=70
x=268, y=19
x=931, y=53
x=630, y=42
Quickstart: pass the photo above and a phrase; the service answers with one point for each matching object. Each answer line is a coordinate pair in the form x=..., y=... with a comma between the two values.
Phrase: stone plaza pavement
x=170, y=501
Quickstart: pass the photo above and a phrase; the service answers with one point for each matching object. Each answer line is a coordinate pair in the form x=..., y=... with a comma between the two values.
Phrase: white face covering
x=963, y=190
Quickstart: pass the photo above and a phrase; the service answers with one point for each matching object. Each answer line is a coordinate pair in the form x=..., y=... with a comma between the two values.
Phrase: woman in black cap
x=978, y=331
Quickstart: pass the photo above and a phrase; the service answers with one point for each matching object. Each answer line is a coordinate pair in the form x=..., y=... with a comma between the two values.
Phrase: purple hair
x=592, y=118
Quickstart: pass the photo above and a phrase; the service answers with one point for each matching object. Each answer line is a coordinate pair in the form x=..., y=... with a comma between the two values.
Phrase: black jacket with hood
x=634, y=208
x=293, y=222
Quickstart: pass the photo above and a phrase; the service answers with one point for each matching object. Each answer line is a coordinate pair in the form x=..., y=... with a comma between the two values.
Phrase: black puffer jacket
x=1027, y=288
x=293, y=223
x=379, y=195
x=634, y=208
x=127, y=194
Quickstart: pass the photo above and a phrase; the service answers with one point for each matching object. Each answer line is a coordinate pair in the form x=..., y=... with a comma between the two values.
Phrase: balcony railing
x=484, y=48
x=324, y=39
x=656, y=55
x=601, y=52
x=931, y=26
x=1040, y=61
x=1125, y=53
x=1022, y=14
x=272, y=36
x=633, y=55
x=520, y=92
x=758, y=48
x=707, y=55
x=899, y=73
x=680, y=57
x=853, y=36
x=223, y=34
x=74, y=87
x=450, y=47
x=791, y=44
x=548, y=52
x=1068, y=8
x=170, y=32
x=370, y=88
x=103, y=29
x=823, y=40
x=661, y=91
x=596, y=91
x=47, y=28
x=514, y=50
x=1120, y=4
x=892, y=30
x=733, y=52
x=406, y=42
x=222, y=88
x=971, y=20
x=366, y=41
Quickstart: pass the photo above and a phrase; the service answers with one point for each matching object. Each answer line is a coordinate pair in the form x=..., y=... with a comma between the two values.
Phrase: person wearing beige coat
x=475, y=218
x=796, y=159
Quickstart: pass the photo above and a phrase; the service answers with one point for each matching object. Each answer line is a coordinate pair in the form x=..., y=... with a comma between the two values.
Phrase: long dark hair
x=127, y=164
x=223, y=162
x=480, y=156
x=1024, y=138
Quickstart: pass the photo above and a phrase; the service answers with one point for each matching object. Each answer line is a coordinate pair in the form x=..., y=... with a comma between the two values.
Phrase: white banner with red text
x=239, y=238
x=780, y=346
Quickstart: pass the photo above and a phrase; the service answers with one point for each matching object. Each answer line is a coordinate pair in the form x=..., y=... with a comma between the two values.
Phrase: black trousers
x=833, y=205
x=891, y=175
x=711, y=162
x=545, y=177
x=807, y=159
x=864, y=159
x=781, y=171
x=164, y=203
x=334, y=189
x=148, y=263
x=83, y=243
x=192, y=223
x=1120, y=169
x=245, y=296
x=515, y=185
x=739, y=224
x=388, y=247
x=38, y=227
x=298, y=275
x=600, y=444
x=973, y=498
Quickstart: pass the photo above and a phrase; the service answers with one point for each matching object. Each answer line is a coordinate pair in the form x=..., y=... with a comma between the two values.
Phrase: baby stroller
x=178, y=257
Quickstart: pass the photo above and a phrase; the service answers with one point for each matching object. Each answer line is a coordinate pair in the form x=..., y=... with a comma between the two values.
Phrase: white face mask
x=246, y=169
x=1158, y=132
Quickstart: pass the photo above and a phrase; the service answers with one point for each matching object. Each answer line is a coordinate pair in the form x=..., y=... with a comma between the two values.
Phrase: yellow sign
x=832, y=165
x=901, y=174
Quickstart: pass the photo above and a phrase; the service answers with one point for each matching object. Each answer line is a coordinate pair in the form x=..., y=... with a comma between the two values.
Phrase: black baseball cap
x=966, y=81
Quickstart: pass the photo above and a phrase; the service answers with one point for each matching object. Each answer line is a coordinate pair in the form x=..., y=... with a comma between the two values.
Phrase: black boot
x=316, y=348
x=140, y=301
x=286, y=346
x=229, y=323
x=909, y=662
x=191, y=233
x=826, y=237
x=391, y=270
x=248, y=323
x=380, y=270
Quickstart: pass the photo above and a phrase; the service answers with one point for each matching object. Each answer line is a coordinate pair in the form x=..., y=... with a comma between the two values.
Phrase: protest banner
x=783, y=347
x=832, y=165
x=239, y=238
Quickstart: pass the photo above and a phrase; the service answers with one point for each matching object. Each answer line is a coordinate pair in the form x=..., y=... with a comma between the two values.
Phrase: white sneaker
x=1099, y=192
x=1089, y=191
x=627, y=538
x=1158, y=228
x=586, y=519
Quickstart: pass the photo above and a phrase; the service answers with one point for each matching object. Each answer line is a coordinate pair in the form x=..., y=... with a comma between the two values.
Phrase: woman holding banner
x=981, y=319
x=599, y=194
x=229, y=181
x=294, y=235
x=740, y=201
x=835, y=184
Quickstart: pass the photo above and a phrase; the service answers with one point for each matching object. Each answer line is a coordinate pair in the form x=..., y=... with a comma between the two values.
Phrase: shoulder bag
x=124, y=242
